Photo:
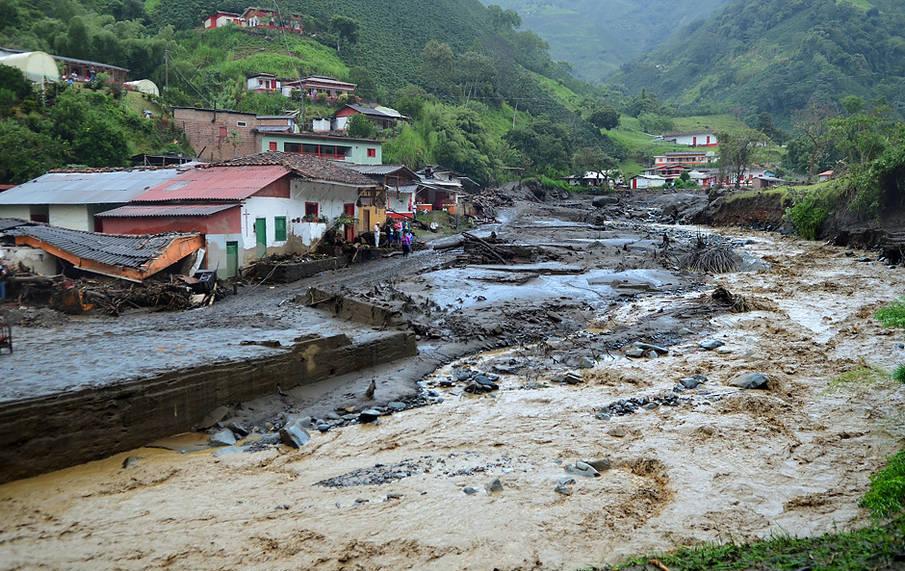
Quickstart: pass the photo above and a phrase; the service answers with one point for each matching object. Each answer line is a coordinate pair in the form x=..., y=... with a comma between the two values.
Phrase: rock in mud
x=223, y=437
x=324, y=427
x=238, y=429
x=656, y=348
x=564, y=486
x=634, y=352
x=710, y=344
x=604, y=201
x=294, y=433
x=572, y=378
x=469, y=491
x=478, y=388
x=751, y=381
x=601, y=465
x=368, y=415
x=131, y=462
x=693, y=382
x=586, y=363
x=396, y=406
x=495, y=486
x=227, y=451
x=617, y=432
x=213, y=417
x=582, y=469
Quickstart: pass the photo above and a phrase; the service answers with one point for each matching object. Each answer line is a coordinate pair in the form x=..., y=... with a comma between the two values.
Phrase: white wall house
x=648, y=181
x=262, y=83
x=692, y=139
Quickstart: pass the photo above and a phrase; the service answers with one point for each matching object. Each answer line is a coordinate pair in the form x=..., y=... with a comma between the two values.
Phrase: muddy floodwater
x=471, y=482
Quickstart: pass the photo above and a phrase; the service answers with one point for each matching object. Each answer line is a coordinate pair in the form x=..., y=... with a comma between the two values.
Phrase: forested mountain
x=484, y=94
x=597, y=36
x=779, y=56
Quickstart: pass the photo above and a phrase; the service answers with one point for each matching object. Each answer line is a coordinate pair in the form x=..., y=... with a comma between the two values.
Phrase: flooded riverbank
x=418, y=489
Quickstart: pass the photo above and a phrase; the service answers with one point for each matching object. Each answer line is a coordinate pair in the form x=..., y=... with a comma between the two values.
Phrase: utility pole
x=166, y=65
x=514, y=112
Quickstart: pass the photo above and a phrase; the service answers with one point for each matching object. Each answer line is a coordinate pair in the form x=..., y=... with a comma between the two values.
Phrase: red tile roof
x=307, y=167
x=215, y=183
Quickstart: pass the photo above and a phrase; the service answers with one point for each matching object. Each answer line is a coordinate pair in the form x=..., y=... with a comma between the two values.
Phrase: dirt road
x=415, y=490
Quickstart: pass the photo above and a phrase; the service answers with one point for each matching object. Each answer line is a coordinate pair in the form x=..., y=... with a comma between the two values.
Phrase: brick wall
x=218, y=136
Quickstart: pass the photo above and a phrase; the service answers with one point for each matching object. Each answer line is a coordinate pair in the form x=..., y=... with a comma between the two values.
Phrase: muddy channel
x=499, y=478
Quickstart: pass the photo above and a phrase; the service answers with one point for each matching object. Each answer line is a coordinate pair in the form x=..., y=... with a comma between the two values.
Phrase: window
x=279, y=228
x=272, y=145
x=312, y=211
x=372, y=153
x=241, y=124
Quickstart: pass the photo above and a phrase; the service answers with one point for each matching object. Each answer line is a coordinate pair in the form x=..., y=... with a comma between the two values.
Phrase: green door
x=261, y=234
x=232, y=259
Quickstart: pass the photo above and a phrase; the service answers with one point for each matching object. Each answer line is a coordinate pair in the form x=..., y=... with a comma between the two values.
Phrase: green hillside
x=596, y=37
x=777, y=57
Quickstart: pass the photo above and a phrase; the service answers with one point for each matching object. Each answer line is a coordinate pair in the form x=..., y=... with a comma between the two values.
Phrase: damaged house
x=72, y=198
x=255, y=206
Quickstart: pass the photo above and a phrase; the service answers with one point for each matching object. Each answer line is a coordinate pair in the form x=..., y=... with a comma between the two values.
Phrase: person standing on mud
x=407, y=244
x=376, y=235
x=3, y=275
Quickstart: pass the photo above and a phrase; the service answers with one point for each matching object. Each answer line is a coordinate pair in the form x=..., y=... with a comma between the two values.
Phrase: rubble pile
x=114, y=297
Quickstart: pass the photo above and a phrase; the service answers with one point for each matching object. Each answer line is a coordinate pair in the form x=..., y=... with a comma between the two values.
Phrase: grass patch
x=886, y=496
x=899, y=374
x=893, y=315
x=864, y=375
x=878, y=546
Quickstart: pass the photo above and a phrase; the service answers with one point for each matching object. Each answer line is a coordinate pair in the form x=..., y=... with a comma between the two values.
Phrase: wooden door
x=232, y=259
x=261, y=236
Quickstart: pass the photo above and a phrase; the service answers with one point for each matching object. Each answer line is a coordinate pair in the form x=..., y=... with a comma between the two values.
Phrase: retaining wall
x=54, y=432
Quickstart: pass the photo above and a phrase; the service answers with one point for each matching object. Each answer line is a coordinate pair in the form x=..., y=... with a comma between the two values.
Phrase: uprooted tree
x=738, y=151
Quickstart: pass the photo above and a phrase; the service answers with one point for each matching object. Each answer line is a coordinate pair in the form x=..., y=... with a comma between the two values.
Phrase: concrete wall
x=72, y=216
x=22, y=212
x=203, y=131
x=37, y=261
x=50, y=433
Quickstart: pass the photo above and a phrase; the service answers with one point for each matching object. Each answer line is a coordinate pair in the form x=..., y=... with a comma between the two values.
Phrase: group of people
x=398, y=233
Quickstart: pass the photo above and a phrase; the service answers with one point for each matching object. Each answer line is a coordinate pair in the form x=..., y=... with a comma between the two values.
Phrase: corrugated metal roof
x=166, y=210
x=120, y=251
x=7, y=223
x=215, y=183
x=114, y=187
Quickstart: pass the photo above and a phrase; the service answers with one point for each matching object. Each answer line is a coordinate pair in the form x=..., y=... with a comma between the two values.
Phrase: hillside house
x=264, y=18
x=401, y=185
x=643, y=181
x=762, y=182
x=217, y=135
x=73, y=198
x=316, y=87
x=691, y=139
x=262, y=83
x=325, y=146
x=825, y=176
x=687, y=158
x=220, y=19
x=441, y=189
x=254, y=206
x=383, y=117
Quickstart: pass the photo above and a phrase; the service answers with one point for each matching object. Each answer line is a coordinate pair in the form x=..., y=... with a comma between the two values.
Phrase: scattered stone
x=294, y=434
x=655, y=348
x=283, y=507
x=603, y=416
x=634, y=352
x=605, y=200
x=394, y=497
x=652, y=354
x=617, y=431
x=711, y=344
x=368, y=416
x=900, y=346
x=324, y=427
x=586, y=363
x=582, y=469
x=131, y=462
x=470, y=491
x=651, y=406
x=572, y=378
x=396, y=406
x=601, y=465
x=693, y=382
x=223, y=437
x=564, y=486
x=213, y=417
x=495, y=486
x=360, y=501
x=752, y=381
x=238, y=429
x=478, y=388
x=463, y=374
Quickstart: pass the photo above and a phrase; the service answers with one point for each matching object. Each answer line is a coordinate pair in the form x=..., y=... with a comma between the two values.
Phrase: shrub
x=893, y=315
x=886, y=496
x=899, y=374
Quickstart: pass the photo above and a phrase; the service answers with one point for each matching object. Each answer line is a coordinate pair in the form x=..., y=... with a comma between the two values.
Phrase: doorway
x=261, y=237
x=232, y=259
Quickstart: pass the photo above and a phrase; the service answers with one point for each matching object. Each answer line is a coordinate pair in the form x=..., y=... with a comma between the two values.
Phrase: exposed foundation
x=57, y=431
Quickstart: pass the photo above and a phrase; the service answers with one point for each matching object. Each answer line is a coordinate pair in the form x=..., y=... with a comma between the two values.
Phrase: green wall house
x=357, y=151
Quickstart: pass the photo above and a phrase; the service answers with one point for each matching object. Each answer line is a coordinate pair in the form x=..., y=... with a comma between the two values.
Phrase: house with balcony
x=262, y=83
x=317, y=87
x=325, y=146
x=251, y=207
x=702, y=138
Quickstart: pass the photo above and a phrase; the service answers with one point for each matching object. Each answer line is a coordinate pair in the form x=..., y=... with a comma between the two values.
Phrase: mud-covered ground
x=611, y=372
